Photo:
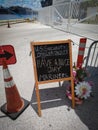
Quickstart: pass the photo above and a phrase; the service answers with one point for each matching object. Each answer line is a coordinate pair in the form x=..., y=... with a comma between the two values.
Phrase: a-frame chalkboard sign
x=52, y=61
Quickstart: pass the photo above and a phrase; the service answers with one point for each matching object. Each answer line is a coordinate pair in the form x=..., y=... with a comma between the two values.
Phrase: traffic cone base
x=15, y=115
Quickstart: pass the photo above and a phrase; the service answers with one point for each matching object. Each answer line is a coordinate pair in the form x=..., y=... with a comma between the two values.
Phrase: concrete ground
x=57, y=113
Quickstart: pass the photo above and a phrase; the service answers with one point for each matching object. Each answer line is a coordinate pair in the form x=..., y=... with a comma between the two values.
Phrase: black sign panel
x=45, y=3
x=52, y=61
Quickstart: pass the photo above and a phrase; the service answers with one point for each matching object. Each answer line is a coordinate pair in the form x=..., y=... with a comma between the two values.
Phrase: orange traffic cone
x=8, y=25
x=14, y=102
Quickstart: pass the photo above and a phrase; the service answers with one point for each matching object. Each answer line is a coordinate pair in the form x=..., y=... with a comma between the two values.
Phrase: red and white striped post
x=81, y=51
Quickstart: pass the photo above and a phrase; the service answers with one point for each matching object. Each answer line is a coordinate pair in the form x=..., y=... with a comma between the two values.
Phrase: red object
x=14, y=102
x=77, y=100
x=81, y=51
x=7, y=53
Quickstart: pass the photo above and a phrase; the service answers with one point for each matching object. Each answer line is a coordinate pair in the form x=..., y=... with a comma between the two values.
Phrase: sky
x=24, y=3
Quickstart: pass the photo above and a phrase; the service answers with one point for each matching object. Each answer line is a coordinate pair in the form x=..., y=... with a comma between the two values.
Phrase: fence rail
x=91, y=63
x=92, y=56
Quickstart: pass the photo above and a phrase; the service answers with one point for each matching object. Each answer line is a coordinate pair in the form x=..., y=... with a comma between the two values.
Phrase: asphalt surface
x=57, y=113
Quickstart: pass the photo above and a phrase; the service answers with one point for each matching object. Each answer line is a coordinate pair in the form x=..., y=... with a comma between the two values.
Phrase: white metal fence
x=75, y=17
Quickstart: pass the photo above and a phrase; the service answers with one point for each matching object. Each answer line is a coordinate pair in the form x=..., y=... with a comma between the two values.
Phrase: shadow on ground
x=88, y=111
x=50, y=97
x=54, y=97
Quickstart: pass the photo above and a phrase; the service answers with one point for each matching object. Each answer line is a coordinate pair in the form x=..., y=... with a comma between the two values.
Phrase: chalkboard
x=52, y=60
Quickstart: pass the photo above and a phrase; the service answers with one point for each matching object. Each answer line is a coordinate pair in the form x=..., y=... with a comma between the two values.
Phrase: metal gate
x=76, y=17
x=91, y=63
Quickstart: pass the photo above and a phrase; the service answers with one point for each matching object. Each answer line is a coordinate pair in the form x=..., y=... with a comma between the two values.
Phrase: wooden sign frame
x=37, y=82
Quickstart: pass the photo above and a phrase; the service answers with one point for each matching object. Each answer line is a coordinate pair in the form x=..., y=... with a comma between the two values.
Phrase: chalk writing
x=52, y=61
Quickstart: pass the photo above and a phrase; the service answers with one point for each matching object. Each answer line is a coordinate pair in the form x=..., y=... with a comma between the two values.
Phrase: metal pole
x=69, y=16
